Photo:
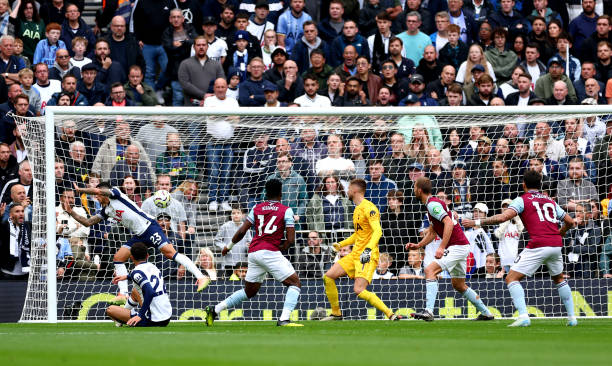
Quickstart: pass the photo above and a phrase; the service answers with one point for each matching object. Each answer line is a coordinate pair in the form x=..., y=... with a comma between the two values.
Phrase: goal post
x=80, y=293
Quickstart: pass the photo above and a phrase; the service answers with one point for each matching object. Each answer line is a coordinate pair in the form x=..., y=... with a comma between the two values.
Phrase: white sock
x=130, y=303
x=121, y=270
x=188, y=264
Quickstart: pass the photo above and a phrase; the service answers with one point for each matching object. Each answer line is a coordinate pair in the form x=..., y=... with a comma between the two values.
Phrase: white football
x=162, y=198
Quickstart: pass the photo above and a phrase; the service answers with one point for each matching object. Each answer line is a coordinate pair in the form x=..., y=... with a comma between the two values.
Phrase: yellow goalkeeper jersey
x=366, y=222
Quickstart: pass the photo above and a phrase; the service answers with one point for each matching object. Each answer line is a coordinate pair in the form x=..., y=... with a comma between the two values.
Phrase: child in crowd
x=224, y=238
x=455, y=51
x=18, y=50
x=414, y=268
x=46, y=48
x=26, y=79
x=233, y=79
x=79, y=46
x=382, y=271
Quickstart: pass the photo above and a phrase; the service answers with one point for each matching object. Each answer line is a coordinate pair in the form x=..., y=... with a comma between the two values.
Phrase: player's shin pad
x=375, y=301
x=332, y=295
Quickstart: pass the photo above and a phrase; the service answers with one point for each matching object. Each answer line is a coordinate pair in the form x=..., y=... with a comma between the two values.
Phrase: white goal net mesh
x=216, y=167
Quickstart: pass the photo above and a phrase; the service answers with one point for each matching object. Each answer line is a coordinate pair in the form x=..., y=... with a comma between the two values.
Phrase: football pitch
x=546, y=342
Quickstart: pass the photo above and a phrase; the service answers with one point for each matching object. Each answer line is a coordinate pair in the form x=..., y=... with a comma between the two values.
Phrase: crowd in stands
x=231, y=54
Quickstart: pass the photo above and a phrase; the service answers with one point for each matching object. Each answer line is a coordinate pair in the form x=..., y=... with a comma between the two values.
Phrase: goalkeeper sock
x=188, y=264
x=232, y=301
x=121, y=270
x=473, y=297
x=565, y=292
x=518, y=297
x=291, y=299
x=332, y=295
x=431, y=287
x=130, y=303
x=375, y=301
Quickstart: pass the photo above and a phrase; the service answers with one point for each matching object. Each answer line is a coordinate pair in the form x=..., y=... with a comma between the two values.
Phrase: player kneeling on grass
x=272, y=221
x=149, y=292
x=451, y=255
x=144, y=228
x=361, y=263
x=541, y=217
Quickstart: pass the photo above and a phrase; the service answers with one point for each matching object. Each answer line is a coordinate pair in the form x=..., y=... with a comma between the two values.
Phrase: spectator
x=302, y=51
x=502, y=59
x=485, y=35
x=405, y=67
x=113, y=150
x=509, y=18
x=532, y=63
x=67, y=226
x=310, y=98
x=353, y=95
x=271, y=95
x=476, y=59
x=274, y=72
x=10, y=65
x=224, y=236
x=333, y=87
x=334, y=163
x=28, y=25
x=24, y=178
x=294, y=186
x=53, y=11
x=174, y=162
x=175, y=209
x=45, y=87
x=356, y=149
x=268, y=47
x=396, y=164
x=239, y=56
x=463, y=189
x=117, y=97
x=290, y=23
x=560, y=95
x=77, y=168
x=63, y=66
x=540, y=37
x=480, y=241
x=378, y=42
x=544, y=85
x=329, y=210
x=109, y=71
x=414, y=40
x=582, y=243
x=602, y=33
x=350, y=37
x=198, y=72
x=8, y=164
x=6, y=27
x=257, y=165
x=19, y=106
x=291, y=85
x=18, y=197
x=219, y=154
x=239, y=273
x=217, y=47
x=382, y=270
x=592, y=91
x=313, y=259
x=123, y=46
x=492, y=268
x=571, y=151
x=384, y=97
x=463, y=17
x=395, y=227
x=452, y=149
x=454, y=51
x=258, y=22
x=253, y=45
x=524, y=94
x=251, y=91
x=188, y=195
x=26, y=79
x=575, y=190
x=348, y=68
x=603, y=66
x=370, y=83
x=413, y=270
x=508, y=233
x=440, y=37
x=135, y=167
x=407, y=124
x=593, y=127
x=564, y=43
x=584, y=25
x=310, y=151
x=15, y=254
x=92, y=90
x=74, y=26
x=224, y=17
x=378, y=185
x=137, y=91
x=435, y=172
x=330, y=28
x=169, y=268
x=574, y=132
x=454, y=93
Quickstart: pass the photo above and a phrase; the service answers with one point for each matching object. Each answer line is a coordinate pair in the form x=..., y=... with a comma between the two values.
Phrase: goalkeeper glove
x=337, y=247
x=365, y=256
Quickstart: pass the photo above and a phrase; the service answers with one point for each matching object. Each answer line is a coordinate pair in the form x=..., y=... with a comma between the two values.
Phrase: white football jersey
x=145, y=273
x=126, y=212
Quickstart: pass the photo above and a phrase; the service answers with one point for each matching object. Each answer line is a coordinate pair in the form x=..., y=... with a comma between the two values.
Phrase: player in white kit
x=149, y=293
x=117, y=206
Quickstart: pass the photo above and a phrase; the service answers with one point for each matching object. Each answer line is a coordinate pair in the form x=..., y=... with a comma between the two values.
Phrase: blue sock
x=473, y=297
x=432, y=293
x=518, y=297
x=565, y=292
x=232, y=301
x=291, y=299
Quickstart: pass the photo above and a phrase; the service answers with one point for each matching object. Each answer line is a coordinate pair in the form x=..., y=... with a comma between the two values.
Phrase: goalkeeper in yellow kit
x=361, y=263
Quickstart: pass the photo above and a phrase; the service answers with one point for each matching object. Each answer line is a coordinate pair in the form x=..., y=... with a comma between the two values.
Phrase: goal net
x=215, y=164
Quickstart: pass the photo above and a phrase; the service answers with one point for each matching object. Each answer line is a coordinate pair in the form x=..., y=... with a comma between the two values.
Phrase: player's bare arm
x=290, y=241
x=508, y=214
x=244, y=228
x=348, y=241
x=93, y=191
x=568, y=223
x=82, y=219
x=448, y=232
x=430, y=235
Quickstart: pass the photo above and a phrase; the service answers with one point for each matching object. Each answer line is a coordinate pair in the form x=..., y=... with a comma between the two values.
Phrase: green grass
x=546, y=342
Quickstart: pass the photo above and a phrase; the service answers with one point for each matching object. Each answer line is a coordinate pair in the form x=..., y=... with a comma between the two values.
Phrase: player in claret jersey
x=451, y=255
x=541, y=217
x=271, y=220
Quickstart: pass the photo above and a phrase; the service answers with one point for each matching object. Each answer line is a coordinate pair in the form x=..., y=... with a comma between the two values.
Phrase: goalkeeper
x=361, y=263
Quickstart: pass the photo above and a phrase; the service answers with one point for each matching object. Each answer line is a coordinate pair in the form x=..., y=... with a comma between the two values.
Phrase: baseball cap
x=417, y=78
x=507, y=201
x=242, y=35
x=416, y=165
x=478, y=67
x=209, y=20
x=536, y=100
x=410, y=98
x=262, y=4
x=89, y=66
x=459, y=164
x=279, y=50
x=482, y=208
x=233, y=71
x=270, y=87
x=164, y=215
x=555, y=60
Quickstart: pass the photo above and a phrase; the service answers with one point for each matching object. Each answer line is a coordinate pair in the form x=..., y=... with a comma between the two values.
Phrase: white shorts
x=531, y=259
x=454, y=260
x=267, y=261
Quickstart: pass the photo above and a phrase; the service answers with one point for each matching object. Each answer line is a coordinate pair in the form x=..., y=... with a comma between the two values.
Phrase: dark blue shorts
x=153, y=237
x=147, y=322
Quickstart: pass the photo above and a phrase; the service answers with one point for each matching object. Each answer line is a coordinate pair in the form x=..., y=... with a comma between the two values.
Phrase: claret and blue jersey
x=269, y=220
x=541, y=217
